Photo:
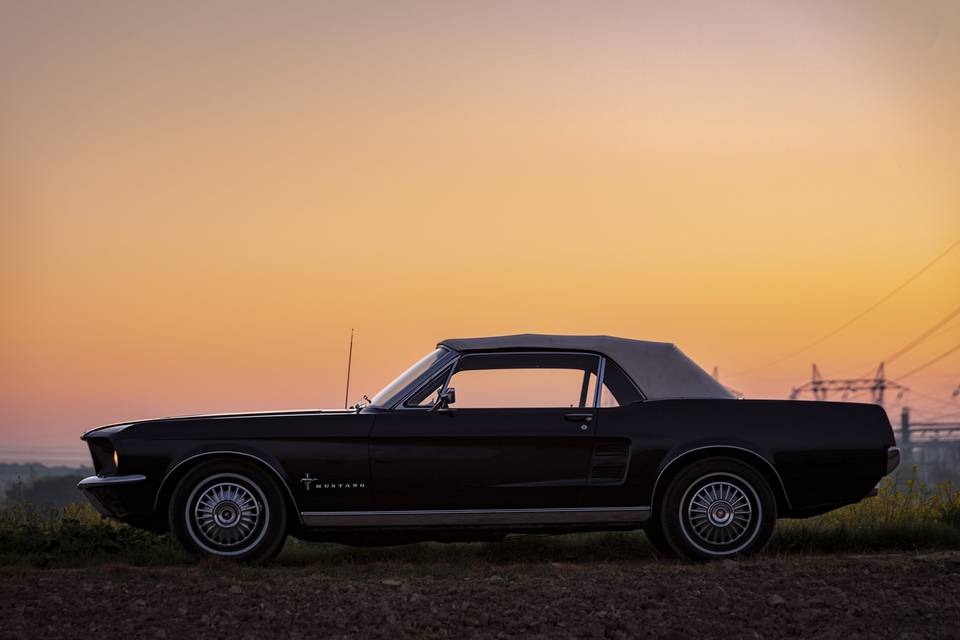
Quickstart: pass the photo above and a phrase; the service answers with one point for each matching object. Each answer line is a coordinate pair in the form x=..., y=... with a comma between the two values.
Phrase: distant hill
x=41, y=484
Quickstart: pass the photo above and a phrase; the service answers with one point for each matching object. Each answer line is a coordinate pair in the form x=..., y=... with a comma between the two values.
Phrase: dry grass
x=913, y=516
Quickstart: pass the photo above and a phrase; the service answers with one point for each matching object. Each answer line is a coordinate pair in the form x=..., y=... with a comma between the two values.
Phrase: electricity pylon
x=878, y=385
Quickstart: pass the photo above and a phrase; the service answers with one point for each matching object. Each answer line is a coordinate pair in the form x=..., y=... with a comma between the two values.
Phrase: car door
x=518, y=436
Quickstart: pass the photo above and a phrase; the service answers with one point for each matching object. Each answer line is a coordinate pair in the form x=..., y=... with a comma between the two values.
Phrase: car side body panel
x=481, y=458
x=372, y=462
x=465, y=470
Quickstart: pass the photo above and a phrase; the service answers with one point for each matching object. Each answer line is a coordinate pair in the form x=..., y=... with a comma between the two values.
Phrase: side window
x=525, y=380
x=617, y=388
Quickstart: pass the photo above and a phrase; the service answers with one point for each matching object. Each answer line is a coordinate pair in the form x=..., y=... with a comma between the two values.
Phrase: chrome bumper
x=92, y=482
x=106, y=493
x=893, y=459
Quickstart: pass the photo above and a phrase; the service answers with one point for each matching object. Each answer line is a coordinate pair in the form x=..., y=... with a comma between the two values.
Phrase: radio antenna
x=346, y=394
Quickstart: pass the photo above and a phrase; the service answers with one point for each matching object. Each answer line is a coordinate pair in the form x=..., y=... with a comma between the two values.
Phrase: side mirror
x=447, y=397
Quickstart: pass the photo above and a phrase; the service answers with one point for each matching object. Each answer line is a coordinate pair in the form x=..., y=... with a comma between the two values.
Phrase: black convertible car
x=489, y=436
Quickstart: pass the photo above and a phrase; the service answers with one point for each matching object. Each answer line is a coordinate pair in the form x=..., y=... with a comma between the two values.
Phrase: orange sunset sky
x=198, y=200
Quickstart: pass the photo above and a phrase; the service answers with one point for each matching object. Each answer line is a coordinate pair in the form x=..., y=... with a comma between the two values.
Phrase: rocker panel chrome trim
x=430, y=517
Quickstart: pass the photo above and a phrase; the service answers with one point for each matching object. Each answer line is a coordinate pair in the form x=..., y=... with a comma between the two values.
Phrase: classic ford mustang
x=489, y=436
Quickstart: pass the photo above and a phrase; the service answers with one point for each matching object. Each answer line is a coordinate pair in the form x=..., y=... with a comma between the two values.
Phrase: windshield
x=408, y=376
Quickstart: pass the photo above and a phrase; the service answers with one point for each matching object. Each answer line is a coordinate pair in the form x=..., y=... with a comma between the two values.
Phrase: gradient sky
x=199, y=200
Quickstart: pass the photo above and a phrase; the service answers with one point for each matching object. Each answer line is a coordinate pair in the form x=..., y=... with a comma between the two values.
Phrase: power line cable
x=942, y=416
x=953, y=327
x=926, y=334
x=946, y=403
x=849, y=322
x=929, y=362
x=918, y=340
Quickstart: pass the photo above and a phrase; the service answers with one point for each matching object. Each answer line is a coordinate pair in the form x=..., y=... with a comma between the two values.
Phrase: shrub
x=76, y=534
x=913, y=516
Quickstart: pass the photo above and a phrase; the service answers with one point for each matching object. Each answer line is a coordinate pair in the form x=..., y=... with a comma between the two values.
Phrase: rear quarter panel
x=824, y=452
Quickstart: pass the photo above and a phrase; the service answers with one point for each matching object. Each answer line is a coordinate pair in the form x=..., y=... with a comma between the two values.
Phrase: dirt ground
x=888, y=596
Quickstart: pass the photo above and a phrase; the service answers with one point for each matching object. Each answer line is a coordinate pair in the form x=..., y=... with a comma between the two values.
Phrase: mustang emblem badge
x=307, y=482
x=314, y=483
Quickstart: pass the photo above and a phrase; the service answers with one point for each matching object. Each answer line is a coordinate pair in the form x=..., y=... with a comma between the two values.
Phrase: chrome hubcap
x=227, y=514
x=720, y=513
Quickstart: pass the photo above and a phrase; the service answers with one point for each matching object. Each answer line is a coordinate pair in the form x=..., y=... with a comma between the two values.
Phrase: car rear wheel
x=228, y=509
x=717, y=508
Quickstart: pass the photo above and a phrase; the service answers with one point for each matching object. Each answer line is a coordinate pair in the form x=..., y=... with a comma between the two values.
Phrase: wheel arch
x=184, y=466
x=756, y=461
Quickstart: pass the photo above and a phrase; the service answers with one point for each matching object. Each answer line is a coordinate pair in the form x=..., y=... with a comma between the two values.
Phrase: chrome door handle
x=579, y=417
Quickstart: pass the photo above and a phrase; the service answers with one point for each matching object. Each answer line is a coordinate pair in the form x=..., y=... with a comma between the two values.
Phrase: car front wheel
x=717, y=508
x=228, y=510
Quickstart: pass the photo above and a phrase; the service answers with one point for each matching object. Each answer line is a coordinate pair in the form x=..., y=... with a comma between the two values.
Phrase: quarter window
x=617, y=388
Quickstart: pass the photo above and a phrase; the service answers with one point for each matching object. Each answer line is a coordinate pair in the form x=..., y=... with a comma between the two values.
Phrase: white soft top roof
x=660, y=369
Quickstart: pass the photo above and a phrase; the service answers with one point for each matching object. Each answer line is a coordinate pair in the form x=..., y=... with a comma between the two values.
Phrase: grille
x=101, y=450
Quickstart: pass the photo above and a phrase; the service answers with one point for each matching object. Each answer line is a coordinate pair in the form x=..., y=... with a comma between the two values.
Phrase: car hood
x=120, y=426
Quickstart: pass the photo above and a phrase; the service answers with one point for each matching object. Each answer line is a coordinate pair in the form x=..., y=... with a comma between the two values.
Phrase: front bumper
x=108, y=494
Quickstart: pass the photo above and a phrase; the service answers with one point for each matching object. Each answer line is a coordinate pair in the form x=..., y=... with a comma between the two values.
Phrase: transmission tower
x=820, y=388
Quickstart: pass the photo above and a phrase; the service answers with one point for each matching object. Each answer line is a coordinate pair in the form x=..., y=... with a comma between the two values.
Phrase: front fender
x=212, y=451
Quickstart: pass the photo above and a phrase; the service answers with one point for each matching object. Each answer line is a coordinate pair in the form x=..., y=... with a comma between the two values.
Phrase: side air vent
x=609, y=463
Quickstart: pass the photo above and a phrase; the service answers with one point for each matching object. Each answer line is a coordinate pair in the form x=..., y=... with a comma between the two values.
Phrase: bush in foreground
x=76, y=534
x=912, y=517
